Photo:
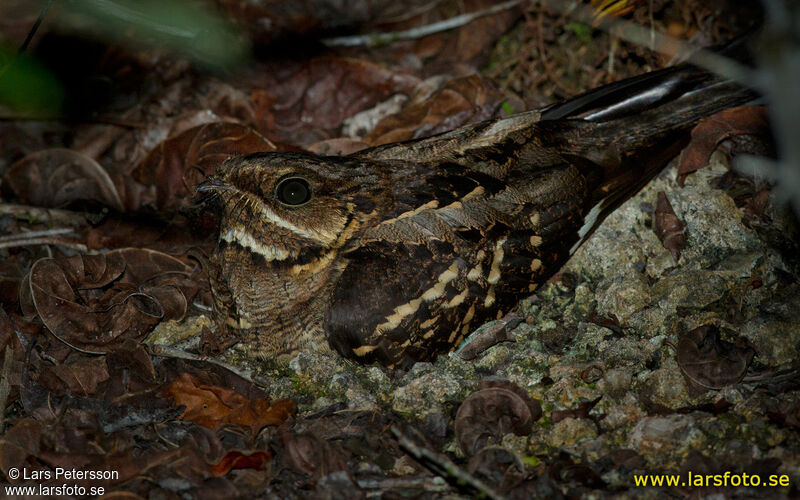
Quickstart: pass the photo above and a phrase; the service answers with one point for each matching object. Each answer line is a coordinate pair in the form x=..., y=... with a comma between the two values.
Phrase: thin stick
x=99, y=119
x=443, y=466
x=423, y=482
x=371, y=39
x=35, y=27
x=171, y=352
x=5, y=385
x=50, y=216
x=37, y=234
x=44, y=241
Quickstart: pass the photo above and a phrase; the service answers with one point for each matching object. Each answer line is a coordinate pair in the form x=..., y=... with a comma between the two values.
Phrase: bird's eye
x=293, y=191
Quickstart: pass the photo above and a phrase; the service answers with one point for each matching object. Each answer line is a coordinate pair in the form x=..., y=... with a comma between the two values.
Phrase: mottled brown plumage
x=397, y=253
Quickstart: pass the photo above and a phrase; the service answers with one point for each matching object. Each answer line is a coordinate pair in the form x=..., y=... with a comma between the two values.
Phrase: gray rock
x=665, y=441
x=570, y=431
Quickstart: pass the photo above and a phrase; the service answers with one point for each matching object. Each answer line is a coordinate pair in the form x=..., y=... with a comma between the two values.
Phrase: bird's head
x=288, y=207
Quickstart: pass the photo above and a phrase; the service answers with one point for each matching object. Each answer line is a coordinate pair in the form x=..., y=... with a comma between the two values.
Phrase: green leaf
x=532, y=461
x=581, y=30
x=27, y=87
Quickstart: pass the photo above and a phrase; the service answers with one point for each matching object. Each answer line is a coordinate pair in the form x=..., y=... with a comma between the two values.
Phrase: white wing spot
x=588, y=223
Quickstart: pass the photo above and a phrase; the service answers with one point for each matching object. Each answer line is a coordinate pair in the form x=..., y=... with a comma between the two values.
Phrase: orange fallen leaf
x=237, y=460
x=712, y=131
x=211, y=405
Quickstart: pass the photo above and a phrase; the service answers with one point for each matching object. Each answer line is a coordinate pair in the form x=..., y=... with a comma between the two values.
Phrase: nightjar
x=396, y=253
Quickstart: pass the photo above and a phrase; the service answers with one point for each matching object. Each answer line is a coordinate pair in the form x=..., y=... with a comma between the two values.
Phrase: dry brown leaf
x=456, y=103
x=668, y=227
x=725, y=125
x=211, y=406
x=306, y=103
x=177, y=165
x=238, y=460
x=91, y=302
x=59, y=177
x=339, y=146
x=80, y=376
x=497, y=409
x=710, y=362
x=311, y=455
x=19, y=442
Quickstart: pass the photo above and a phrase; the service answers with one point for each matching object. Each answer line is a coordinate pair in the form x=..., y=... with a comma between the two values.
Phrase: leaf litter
x=81, y=389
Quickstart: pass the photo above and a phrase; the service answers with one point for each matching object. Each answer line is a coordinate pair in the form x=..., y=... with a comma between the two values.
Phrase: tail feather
x=625, y=134
x=629, y=96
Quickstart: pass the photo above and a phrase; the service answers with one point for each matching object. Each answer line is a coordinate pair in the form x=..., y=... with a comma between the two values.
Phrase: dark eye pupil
x=294, y=191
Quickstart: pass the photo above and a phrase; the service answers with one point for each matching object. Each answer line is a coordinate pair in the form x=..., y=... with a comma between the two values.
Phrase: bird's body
x=395, y=254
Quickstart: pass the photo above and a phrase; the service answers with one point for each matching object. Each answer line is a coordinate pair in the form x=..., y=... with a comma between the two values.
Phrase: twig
x=99, y=119
x=5, y=385
x=31, y=33
x=44, y=241
x=171, y=352
x=50, y=216
x=443, y=466
x=423, y=482
x=372, y=39
x=611, y=53
x=35, y=27
x=36, y=234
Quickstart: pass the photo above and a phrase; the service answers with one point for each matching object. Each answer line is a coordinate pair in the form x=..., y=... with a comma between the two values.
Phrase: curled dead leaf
x=458, y=102
x=668, y=227
x=90, y=302
x=710, y=362
x=498, y=467
x=751, y=121
x=305, y=103
x=311, y=455
x=181, y=162
x=492, y=412
x=59, y=177
x=79, y=376
x=210, y=405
